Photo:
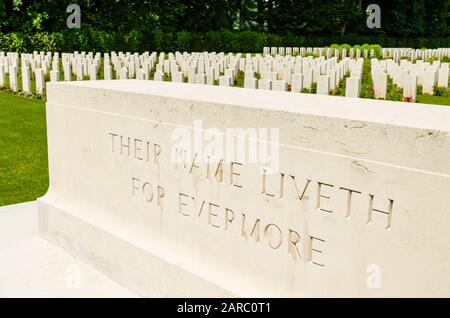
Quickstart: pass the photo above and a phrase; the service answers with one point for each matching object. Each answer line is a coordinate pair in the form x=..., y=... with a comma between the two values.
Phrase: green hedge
x=226, y=41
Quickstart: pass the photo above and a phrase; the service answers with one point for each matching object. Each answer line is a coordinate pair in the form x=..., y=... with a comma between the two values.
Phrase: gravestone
x=26, y=81
x=297, y=83
x=281, y=86
x=225, y=81
x=443, y=77
x=410, y=88
x=429, y=80
x=323, y=85
x=2, y=75
x=13, y=79
x=380, y=81
x=40, y=81
x=265, y=84
x=352, y=86
x=313, y=196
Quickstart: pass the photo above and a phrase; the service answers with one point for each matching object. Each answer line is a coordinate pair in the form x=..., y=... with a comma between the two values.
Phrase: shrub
x=441, y=91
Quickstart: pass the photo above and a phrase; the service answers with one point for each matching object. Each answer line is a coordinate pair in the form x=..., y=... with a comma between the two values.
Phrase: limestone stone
x=13, y=79
x=429, y=80
x=380, y=81
x=410, y=88
x=352, y=86
x=2, y=75
x=323, y=85
x=297, y=83
x=250, y=82
x=107, y=72
x=123, y=73
x=159, y=76
x=349, y=200
x=307, y=78
x=40, y=84
x=177, y=77
x=200, y=79
x=281, y=86
x=225, y=80
x=54, y=76
x=443, y=77
x=265, y=84
x=26, y=80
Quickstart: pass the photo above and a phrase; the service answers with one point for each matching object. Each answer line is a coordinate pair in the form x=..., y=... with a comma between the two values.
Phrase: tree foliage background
x=150, y=21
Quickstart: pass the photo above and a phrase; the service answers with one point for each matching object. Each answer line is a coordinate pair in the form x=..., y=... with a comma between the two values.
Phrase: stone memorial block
x=189, y=190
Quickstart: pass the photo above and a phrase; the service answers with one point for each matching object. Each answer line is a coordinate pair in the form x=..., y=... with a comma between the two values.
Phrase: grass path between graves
x=23, y=149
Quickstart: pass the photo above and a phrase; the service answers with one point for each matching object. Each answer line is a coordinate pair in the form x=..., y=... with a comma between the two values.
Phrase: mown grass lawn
x=436, y=100
x=23, y=149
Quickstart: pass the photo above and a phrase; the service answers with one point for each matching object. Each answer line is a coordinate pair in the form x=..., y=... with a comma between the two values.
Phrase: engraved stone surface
x=342, y=196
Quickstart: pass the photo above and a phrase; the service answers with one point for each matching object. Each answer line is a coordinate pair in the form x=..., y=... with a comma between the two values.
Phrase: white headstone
x=323, y=85
x=225, y=81
x=352, y=87
x=26, y=80
x=410, y=88
x=177, y=77
x=107, y=72
x=380, y=81
x=429, y=81
x=443, y=77
x=280, y=85
x=297, y=83
x=250, y=82
x=265, y=84
x=13, y=79
x=40, y=84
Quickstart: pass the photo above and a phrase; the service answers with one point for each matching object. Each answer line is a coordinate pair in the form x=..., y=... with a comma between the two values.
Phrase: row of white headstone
x=395, y=53
x=319, y=52
x=407, y=76
x=268, y=72
x=262, y=72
